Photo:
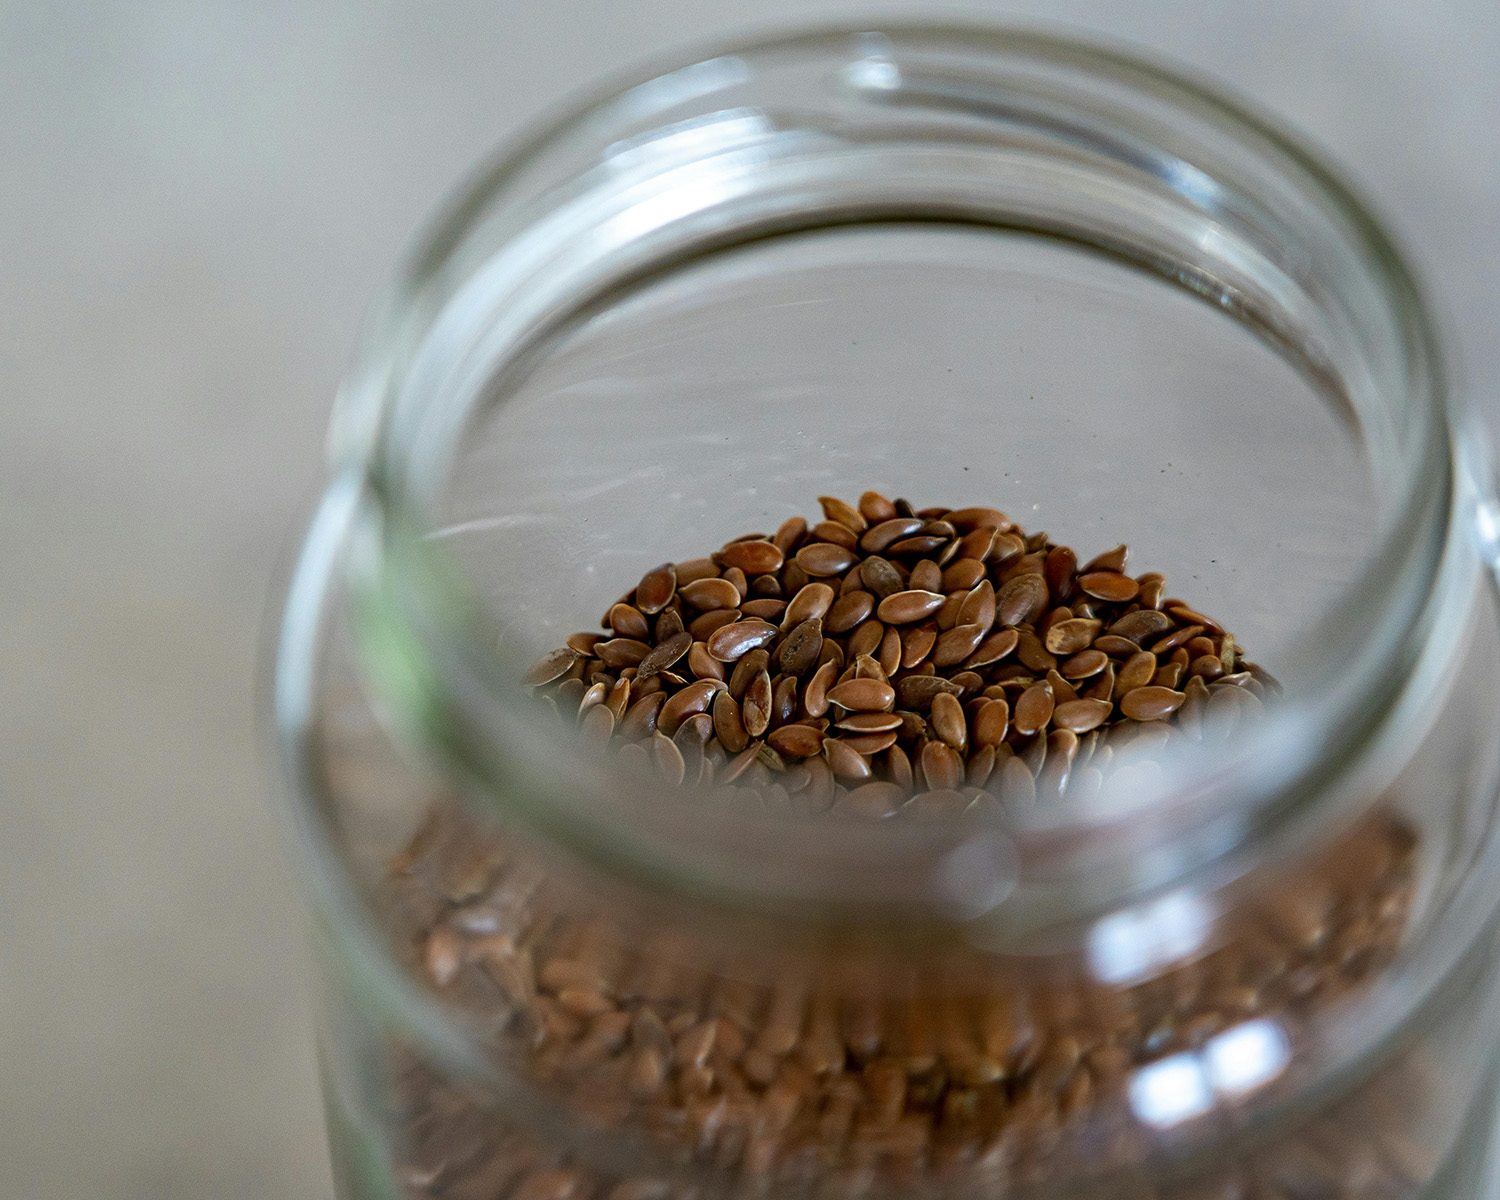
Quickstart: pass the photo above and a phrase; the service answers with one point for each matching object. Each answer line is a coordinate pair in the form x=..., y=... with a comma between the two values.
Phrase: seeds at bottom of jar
x=1041, y=1057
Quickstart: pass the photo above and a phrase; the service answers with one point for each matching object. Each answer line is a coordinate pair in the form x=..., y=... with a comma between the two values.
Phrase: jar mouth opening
x=1034, y=133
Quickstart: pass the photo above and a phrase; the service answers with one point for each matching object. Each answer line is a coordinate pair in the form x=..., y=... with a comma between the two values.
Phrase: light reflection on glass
x=877, y=74
x=1128, y=946
x=688, y=140
x=1246, y=1056
x=1170, y=1091
x=1186, y=1085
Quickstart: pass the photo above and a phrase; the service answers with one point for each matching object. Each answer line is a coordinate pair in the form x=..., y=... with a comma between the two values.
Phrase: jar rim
x=417, y=593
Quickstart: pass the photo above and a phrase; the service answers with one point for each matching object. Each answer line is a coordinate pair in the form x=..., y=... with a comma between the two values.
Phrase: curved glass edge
x=342, y=927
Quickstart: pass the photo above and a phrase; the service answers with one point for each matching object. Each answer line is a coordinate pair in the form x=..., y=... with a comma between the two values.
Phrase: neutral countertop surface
x=196, y=199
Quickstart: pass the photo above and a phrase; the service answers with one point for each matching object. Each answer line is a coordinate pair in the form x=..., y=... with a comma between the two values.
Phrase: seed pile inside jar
x=886, y=658
x=882, y=662
x=790, y=1076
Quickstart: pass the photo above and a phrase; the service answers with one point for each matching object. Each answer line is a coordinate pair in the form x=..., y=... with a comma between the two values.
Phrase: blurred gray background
x=196, y=200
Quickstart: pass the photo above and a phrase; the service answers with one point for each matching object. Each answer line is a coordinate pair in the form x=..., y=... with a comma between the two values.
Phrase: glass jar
x=976, y=267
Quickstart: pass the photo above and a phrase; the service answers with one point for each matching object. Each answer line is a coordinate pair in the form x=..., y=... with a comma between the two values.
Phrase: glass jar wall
x=970, y=268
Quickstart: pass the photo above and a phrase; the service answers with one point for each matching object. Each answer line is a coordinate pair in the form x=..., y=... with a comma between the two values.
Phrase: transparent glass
x=971, y=267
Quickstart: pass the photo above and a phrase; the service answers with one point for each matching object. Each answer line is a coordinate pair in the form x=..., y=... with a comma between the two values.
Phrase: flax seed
x=735, y=640
x=846, y=515
x=879, y=538
x=1150, y=595
x=728, y=725
x=1021, y=599
x=702, y=664
x=1168, y=676
x=628, y=621
x=921, y=545
x=694, y=698
x=597, y=726
x=1080, y=716
x=1110, y=560
x=967, y=519
x=755, y=710
x=946, y=617
x=619, y=699
x=709, y=594
x=993, y=648
x=1182, y=613
x=745, y=671
x=1059, y=569
x=593, y=695
x=1071, y=636
x=814, y=600
x=875, y=508
x=866, y=638
x=1178, y=637
x=926, y=576
x=1063, y=692
x=844, y=762
x=863, y=695
x=1137, y=671
x=835, y=534
x=957, y=645
x=800, y=649
x=849, y=611
x=916, y=645
x=991, y=722
x=641, y=717
x=978, y=607
x=1084, y=664
x=1034, y=709
x=656, y=588
x=795, y=741
x=879, y=577
x=789, y=535
x=705, y=626
x=822, y=559
x=582, y=645
x=962, y=574
x=908, y=607
x=1150, y=703
x=889, y=653
x=1141, y=625
x=551, y=666
x=668, y=759
x=793, y=577
x=753, y=557
x=783, y=700
x=664, y=654
x=969, y=682
x=815, y=694
x=915, y=692
x=1110, y=586
x=870, y=722
x=1034, y=656
x=948, y=721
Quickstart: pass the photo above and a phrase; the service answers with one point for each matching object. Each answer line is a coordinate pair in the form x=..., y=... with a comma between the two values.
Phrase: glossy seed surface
x=871, y=642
